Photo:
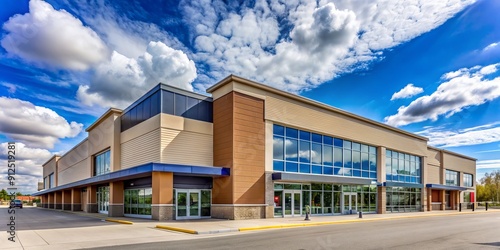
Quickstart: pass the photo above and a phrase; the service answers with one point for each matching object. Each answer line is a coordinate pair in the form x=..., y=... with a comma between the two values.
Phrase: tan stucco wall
x=106, y=135
x=50, y=167
x=186, y=141
x=168, y=139
x=456, y=163
x=74, y=165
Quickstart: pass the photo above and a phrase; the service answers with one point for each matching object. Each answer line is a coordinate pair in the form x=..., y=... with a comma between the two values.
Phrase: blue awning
x=142, y=171
x=446, y=187
x=402, y=184
x=296, y=177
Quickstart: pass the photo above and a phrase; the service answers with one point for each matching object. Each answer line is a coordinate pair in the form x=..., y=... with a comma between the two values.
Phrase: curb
x=308, y=224
x=178, y=229
x=120, y=221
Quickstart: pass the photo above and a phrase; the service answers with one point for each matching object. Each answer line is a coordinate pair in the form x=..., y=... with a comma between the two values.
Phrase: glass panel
x=336, y=202
x=338, y=142
x=192, y=108
x=292, y=133
x=305, y=135
x=347, y=144
x=167, y=102
x=328, y=155
x=288, y=204
x=327, y=201
x=205, y=202
x=356, y=160
x=296, y=204
x=278, y=166
x=316, y=206
x=328, y=140
x=180, y=105
x=317, y=138
x=278, y=209
x=306, y=200
x=305, y=151
x=305, y=168
x=293, y=186
x=181, y=204
x=194, y=204
x=291, y=150
x=316, y=153
x=356, y=146
x=278, y=149
x=347, y=162
x=292, y=167
x=278, y=130
x=337, y=157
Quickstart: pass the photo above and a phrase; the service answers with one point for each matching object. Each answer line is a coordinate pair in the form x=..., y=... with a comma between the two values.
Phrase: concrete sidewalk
x=213, y=226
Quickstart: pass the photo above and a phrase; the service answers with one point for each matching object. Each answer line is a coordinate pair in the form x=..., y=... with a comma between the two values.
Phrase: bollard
x=486, y=206
x=473, y=206
x=361, y=214
x=459, y=207
x=308, y=210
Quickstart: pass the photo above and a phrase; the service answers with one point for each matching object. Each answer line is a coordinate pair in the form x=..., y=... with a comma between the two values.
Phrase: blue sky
x=431, y=68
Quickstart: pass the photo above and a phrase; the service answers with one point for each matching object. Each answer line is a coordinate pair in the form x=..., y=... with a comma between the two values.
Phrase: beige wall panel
x=101, y=136
x=74, y=156
x=433, y=175
x=140, y=129
x=50, y=167
x=142, y=149
x=76, y=172
x=305, y=116
x=185, y=147
x=433, y=157
x=457, y=163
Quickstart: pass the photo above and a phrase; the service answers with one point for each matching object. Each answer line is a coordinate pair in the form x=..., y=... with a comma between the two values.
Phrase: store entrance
x=349, y=203
x=292, y=203
x=188, y=204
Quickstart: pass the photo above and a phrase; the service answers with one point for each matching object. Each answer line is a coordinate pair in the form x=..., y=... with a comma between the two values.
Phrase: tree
x=4, y=195
x=489, y=189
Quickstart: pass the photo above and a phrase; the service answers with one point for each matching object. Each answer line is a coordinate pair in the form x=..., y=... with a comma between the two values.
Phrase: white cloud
x=11, y=88
x=34, y=125
x=462, y=89
x=53, y=38
x=122, y=80
x=488, y=164
x=441, y=137
x=28, y=166
x=491, y=46
x=407, y=92
x=297, y=45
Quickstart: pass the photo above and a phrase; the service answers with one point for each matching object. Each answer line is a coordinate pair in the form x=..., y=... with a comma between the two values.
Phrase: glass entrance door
x=188, y=204
x=349, y=203
x=103, y=199
x=292, y=203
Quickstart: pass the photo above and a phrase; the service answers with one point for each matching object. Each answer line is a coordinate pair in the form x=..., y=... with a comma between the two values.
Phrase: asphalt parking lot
x=38, y=228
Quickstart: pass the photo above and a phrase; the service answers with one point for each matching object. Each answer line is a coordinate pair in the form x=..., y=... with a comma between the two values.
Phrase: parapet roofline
x=452, y=153
x=54, y=156
x=251, y=83
x=104, y=116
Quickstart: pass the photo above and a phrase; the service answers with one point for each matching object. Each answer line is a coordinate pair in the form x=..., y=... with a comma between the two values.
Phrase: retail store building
x=250, y=151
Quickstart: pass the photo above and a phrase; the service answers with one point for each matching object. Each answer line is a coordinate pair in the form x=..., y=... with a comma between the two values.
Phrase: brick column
x=442, y=193
x=381, y=200
x=115, y=199
x=50, y=200
x=58, y=200
x=66, y=199
x=92, y=199
x=429, y=199
x=381, y=178
x=76, y=199
x=162, y=207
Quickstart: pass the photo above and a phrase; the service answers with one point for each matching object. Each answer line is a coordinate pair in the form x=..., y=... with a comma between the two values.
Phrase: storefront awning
x=141, y=171
x=295, y=177
x=445, y=187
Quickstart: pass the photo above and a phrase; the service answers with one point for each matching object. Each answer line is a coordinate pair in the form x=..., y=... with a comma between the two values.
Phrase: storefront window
x=138, y=201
